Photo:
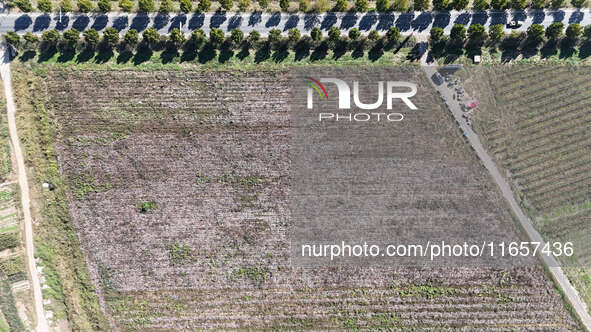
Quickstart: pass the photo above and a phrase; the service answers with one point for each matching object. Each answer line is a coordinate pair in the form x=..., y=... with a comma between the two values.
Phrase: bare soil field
x=177, y=185
x=536, y=121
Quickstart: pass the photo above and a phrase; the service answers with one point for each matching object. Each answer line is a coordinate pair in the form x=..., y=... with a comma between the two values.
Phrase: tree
x=44, y=6
x=421, y=5
x=50, y=37
x=253, y=37
x=354, y=34
x=186, y=6
x=441, y=4
x=538, y=4
x=237, y=36
x=480, y=4
x=460, y=4
x=165, y=6
x=177, y=37
x=554, y=30
x=393, y=35
x=316, y=34
x=340, y=6
x=361, y=5
x=293, y=36
x=458, y=32
x=204, y=5
x=66, y=6
x=400, y=5
x=304, y=5
x=146, y=6
x=518, y=4
x=12, y=38
x=373, y=35
x=578, y=3
x=436, y=34
x=557, y=3
x=151, y=36
x=263, y=4
x=499, y=4
x=131, y=37
x=477, y=33
x=243, y=5
x=382, y=5
x=111, y=36
x=31, y=40
x=197, y=39
x=587, y=31
x=91, y=37
x=496, y=32
x=226, y=4
x=321, y=6
x=24, y=5
x=84, y=6
x=126, y=5
x=104, y=6
x=274, y=36
x=284, y=4
x=71, y=37
x=216, y=37
x=334, y=35
x=535, y=33
x=574, y=31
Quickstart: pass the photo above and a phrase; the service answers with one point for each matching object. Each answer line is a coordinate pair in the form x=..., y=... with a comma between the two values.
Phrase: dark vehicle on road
x=513, y=25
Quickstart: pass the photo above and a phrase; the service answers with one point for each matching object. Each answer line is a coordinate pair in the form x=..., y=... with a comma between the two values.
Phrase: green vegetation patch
x=84, y=184
x=11, y=266
x=6, y=196
x=257, y=275
x=147, y=206
x=180, y=254
x=8, y=306
x=57, y=245
x=8, y=240
x=248, y=181
x=426, y=291
x=5, y=162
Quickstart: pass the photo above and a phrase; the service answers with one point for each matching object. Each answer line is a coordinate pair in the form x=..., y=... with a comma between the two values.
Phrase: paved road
x=42, y=325
x=549, y=261
x=417, y=22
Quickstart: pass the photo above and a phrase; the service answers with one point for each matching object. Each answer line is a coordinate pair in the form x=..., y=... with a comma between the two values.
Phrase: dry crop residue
x=178, y=185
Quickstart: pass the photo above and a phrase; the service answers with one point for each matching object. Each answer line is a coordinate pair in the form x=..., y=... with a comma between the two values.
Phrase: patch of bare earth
x=178, y=185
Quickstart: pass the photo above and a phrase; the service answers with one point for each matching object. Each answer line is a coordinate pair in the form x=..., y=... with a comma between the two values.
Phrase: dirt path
x=42, y=324
x=560, y=278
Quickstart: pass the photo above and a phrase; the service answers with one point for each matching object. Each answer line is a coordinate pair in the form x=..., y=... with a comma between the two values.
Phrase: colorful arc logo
x=316, y=85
